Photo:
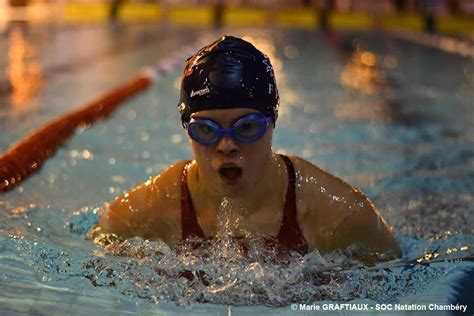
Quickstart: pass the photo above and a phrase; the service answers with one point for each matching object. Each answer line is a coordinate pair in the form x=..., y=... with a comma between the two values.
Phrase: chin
x=232, y=190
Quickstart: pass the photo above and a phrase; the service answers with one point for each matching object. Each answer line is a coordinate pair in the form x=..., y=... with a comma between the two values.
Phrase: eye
x=204, y=129
x=249, y=128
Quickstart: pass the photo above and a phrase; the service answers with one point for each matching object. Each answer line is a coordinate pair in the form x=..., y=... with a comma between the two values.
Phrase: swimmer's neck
x=270, y=184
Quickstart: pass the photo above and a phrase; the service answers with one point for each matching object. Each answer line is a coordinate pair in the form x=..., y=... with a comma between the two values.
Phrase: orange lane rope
x=28, y=155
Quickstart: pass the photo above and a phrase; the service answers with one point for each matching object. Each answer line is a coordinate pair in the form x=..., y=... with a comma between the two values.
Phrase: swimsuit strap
x=290, y=235
x=189, y=224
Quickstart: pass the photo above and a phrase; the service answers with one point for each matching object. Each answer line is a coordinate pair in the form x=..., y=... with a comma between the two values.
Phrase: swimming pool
x=387, y=115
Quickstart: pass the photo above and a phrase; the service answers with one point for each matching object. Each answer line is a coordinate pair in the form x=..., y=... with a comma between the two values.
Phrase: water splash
x=219, y=273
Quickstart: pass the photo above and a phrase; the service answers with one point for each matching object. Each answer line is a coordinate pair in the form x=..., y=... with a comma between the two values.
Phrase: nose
x=227, y=145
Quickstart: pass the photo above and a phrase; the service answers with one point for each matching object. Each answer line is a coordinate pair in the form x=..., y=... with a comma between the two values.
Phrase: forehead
x=223, y=116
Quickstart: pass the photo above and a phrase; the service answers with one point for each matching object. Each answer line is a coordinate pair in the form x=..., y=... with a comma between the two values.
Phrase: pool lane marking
x=29, y=154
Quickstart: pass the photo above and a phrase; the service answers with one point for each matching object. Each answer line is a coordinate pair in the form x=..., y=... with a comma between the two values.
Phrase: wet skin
x=331, y=213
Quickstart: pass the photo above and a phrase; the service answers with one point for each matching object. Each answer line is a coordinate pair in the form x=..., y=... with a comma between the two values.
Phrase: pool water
x=387, y=115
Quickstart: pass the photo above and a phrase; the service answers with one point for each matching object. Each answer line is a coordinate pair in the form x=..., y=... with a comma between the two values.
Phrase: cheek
x=265, y=143
x=260, y=151
x=202, y=154
x=199, y=151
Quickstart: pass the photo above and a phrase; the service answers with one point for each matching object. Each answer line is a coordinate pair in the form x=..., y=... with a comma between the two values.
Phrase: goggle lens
x=247, y=129
x=203, y=132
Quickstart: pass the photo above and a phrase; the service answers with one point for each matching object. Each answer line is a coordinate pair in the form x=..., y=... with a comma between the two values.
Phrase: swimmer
x=229, y=107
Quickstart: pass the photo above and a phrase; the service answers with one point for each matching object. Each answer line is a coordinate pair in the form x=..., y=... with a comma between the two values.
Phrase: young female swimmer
x=229, y=106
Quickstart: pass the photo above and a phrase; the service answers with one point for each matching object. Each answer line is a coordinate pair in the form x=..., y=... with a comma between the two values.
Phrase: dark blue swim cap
x=229, y=73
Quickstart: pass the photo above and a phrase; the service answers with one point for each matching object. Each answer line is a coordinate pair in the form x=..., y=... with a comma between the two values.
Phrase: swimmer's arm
x=149, y=210
x=367, y=230
x=126, y=216
x=336, y=215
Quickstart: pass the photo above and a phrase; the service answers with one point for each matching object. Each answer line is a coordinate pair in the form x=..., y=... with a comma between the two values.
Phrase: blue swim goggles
x=246, y=129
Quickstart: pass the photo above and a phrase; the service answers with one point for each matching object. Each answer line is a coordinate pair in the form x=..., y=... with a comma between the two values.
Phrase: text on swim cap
x=269, y=68
x=200, y=92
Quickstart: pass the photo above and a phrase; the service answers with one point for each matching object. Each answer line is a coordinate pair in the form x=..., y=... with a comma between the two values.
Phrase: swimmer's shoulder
x=332, y=197
x=314, y=175
x=323, y=202
x=169, y=180
x=150, y=210
x=313, y=181
x=335, y=214
x=165, y=191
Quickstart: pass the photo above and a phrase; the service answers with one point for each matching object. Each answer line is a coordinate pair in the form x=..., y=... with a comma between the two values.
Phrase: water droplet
x=131, y=115
x=86, y=154
x=176, y=138
x=144, y=136
x=118, y=179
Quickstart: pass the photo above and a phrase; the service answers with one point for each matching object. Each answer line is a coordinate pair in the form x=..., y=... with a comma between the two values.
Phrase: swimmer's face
x=229, y=166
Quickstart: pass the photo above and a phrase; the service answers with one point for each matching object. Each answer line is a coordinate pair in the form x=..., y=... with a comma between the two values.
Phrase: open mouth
x=230, y=174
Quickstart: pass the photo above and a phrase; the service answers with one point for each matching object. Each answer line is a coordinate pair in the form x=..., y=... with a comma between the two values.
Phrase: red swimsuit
x=289, y=238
